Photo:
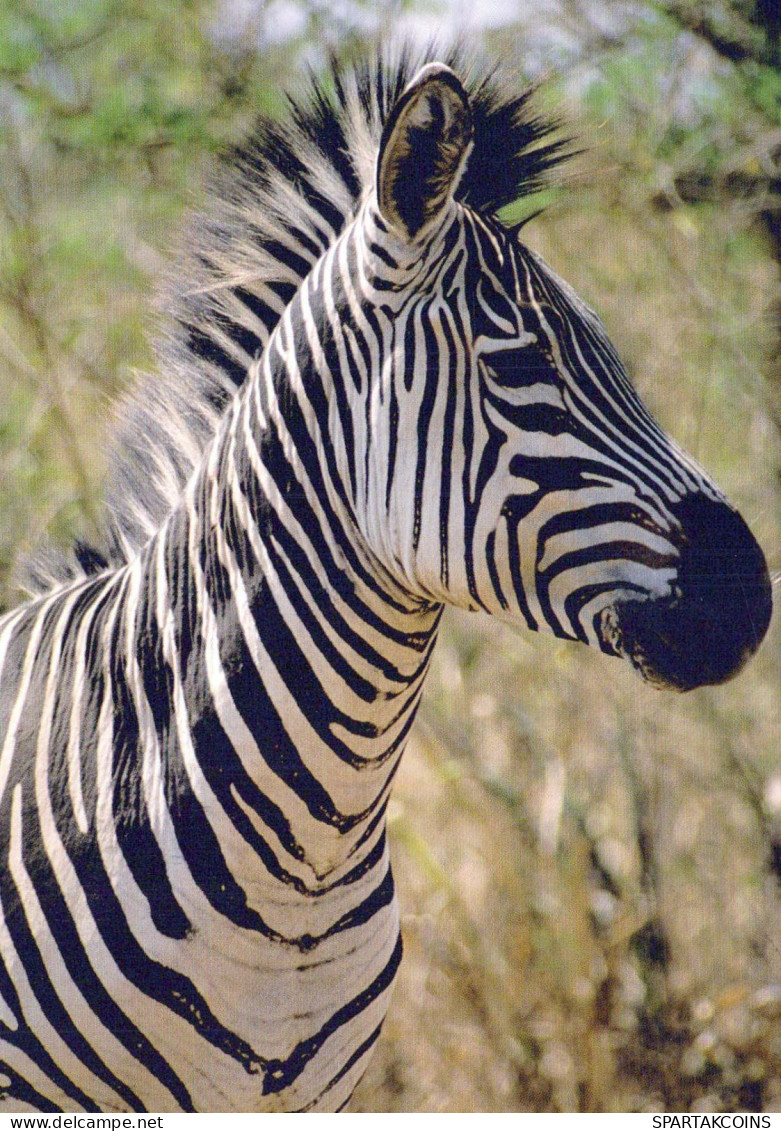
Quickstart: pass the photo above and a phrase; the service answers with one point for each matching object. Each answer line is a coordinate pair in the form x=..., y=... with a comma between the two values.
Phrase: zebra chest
x=275, y=1008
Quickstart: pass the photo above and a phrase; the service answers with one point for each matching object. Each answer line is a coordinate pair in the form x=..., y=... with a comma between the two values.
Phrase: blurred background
x=589, y=870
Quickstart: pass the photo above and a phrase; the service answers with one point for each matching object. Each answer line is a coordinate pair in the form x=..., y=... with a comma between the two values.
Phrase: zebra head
x=510, y=465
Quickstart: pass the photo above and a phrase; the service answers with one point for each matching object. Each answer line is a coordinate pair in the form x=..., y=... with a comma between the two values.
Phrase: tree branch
x=739, y=43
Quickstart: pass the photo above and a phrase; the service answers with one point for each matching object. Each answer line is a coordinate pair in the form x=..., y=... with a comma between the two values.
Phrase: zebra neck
x=314, y=667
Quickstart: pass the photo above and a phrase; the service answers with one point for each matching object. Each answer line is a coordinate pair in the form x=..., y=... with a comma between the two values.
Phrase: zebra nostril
x=720, y=610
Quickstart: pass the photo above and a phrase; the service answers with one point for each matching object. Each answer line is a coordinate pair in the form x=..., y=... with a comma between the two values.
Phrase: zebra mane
x=276, y=204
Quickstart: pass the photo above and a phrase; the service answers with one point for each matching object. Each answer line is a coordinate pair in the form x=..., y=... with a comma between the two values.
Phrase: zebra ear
x=423, y=150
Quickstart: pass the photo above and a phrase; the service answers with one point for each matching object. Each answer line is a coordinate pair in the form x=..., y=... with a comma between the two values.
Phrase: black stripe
x=135, y=837
x=216, y=756
x=430, y=380
x=280, y=1074
x=363, y=1048
x=253, y=701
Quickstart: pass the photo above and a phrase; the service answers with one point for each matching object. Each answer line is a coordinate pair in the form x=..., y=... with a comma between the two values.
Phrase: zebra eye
x=515, y=367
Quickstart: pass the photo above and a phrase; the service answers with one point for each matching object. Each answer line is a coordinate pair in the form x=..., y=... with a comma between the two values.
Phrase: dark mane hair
x=275, y=205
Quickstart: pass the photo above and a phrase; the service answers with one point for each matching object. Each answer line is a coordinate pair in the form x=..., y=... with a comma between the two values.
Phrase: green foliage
x=105, y=74
x=762, y=85
x=680, y=106
x=108, y=111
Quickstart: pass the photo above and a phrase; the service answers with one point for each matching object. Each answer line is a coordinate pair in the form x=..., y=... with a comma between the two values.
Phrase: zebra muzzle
x=718, y=613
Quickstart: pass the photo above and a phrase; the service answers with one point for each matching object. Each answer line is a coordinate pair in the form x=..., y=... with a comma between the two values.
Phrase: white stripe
x=31, y=655
x=582, y=538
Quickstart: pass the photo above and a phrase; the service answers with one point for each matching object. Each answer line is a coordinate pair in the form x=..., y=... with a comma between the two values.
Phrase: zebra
x=376, y=402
